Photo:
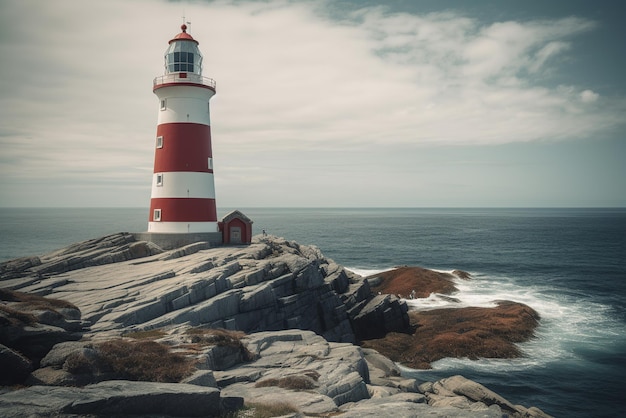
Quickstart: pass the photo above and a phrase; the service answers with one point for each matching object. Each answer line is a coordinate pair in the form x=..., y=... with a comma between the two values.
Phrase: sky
x=323, y=103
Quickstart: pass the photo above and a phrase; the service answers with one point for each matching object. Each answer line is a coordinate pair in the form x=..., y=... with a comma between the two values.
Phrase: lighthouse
x=183, y=188
x=182, y=202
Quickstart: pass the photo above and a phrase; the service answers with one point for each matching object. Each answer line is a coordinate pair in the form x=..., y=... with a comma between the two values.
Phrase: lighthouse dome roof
x=183, y=36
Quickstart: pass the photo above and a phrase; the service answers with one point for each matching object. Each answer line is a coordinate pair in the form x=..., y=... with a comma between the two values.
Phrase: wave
x=571, y=328
x=367, y=272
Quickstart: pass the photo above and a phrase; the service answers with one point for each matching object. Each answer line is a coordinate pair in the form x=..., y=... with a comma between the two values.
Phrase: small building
x=236, y=228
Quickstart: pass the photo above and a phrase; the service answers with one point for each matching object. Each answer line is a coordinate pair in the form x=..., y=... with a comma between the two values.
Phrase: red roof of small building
x=235, y=214
x=183, y=36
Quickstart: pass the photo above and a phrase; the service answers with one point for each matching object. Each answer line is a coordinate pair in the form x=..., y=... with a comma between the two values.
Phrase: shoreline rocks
x=302, y=314
x=296, y=368
x=468, y=332
x=30, y=326
x=412, y=282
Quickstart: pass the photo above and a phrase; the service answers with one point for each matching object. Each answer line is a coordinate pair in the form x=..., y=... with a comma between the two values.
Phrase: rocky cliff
x=289, y=318
x=121, y=285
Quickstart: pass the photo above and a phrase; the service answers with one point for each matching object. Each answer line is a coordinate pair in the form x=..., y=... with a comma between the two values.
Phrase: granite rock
x=302, y=313
x=300, y=368
x=122, y=285
x=114, y=397
x=30, y=325
x=15, y=366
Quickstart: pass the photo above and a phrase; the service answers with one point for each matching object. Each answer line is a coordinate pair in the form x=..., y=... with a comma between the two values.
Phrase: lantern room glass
x=183, y=57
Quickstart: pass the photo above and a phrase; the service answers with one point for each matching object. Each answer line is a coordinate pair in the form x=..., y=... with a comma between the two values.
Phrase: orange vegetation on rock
x=460, y=333
x=404, y=280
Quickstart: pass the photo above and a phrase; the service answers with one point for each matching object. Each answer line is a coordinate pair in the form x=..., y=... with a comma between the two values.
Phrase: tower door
x=235, y=235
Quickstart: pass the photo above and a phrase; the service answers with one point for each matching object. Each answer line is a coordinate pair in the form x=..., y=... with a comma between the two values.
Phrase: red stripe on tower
x=183, y=190
x=183, y=147
x=184, y=210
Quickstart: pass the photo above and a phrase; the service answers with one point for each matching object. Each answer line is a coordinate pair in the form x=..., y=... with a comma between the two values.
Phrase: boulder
x=380, y=315
x=309, y=404
x=73, y=363
x=404, y=409
x=476, y=392
x=462, y=274
x=417, y=398
x=463, y=394
x=13, y=268
x=34, y=341
x=58, y=355
x=32, y=325
x=15, y=367
x=51, y=376
x=337, y=372
x=448, y=401
x=109, y=249
x=114, y=397
x=221, y=357
x=238, y=375
x=201, y=378
x=349, y=387
x=377, y=361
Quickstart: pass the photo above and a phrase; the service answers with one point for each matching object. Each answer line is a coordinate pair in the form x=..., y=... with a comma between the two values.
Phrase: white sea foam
x=366, y=272
x=567, y=322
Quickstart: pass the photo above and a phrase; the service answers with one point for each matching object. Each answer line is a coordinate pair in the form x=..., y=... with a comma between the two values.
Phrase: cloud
x=294, y=79
x=374, y=76
x=589, y=96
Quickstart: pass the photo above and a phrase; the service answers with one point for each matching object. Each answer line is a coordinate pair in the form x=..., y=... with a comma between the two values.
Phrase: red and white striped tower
x=183, y=189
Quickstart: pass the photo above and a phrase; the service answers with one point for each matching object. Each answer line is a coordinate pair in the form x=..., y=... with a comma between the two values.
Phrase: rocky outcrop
x=379, y=316
x=144, y=310
x=451, y=397
x=104, y=250
x=15, y=366
x=114, y=398
x=469, y=332
x=30, y=326
x=272, y=284
x=299, y=369
x=459, y=392
x=337, y=372
x=413, y=282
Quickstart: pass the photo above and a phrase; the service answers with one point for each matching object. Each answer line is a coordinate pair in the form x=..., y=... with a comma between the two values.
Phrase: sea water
x=567, y=264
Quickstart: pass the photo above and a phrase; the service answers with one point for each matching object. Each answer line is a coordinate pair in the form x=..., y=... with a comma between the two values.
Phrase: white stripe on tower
x=183, y=189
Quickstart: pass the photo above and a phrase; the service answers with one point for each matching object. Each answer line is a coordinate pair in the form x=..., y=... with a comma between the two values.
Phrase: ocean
x=568, y=264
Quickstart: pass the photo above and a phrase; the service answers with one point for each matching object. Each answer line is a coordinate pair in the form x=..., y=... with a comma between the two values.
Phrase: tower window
x=159, y=179
x=159, y=142
x=210, y=165
x=163, y=104
x=180, y=62
x=156, y=215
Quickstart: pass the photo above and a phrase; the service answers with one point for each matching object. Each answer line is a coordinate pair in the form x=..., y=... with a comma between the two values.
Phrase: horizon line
x=328, y=207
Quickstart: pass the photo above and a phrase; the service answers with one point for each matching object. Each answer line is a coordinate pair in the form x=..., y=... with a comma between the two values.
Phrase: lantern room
x=183, y=55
